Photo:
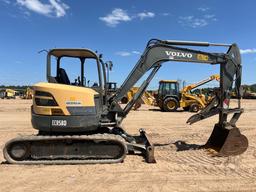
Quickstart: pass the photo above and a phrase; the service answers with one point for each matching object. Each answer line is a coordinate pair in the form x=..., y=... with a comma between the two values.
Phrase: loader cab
x=168, y=87
x=168, y=95
x=77, y=67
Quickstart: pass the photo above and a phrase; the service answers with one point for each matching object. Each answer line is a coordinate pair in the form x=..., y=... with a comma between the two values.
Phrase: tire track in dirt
x=186, y=171
x=198, y=161
x=244, y=173
x=197, y=157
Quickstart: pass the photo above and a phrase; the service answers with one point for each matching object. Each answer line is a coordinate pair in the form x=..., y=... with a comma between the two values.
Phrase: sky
x=120, y=30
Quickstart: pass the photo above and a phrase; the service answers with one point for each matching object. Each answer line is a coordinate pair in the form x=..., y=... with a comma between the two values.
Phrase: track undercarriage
x=109, y=147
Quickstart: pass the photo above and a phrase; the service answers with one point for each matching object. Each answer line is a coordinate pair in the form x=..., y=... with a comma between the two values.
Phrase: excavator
x=82, y=125
x=169, y=98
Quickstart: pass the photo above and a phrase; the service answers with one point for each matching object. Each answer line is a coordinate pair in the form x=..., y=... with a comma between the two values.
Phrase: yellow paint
x=63, y=93
x=72, y=98
x=202, y=57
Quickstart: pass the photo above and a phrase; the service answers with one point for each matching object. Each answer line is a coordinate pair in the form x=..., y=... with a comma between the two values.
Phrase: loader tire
x=124, y=100
x=170, y=104
x=137, y=105
x=194, y=108
x=186, y=108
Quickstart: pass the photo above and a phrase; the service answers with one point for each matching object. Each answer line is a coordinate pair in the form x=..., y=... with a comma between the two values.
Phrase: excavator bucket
x=227, y=141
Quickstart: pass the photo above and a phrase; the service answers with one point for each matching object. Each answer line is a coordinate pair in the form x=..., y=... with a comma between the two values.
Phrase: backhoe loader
x=169, y=98
x=248, y=93
x=78, y=124
x=146, y=98
x=28, y=94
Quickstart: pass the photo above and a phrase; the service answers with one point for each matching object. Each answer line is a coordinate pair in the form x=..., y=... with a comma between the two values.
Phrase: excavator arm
x=226, y=137
x=158, y=51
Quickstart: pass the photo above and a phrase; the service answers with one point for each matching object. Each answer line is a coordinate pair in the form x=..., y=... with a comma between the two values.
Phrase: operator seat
x=63, y=77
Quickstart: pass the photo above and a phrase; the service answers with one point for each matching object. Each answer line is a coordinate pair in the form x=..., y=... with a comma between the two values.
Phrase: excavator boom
x=158, y=52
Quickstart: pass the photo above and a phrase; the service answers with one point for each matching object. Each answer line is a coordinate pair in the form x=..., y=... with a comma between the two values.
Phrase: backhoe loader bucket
x=227, y=142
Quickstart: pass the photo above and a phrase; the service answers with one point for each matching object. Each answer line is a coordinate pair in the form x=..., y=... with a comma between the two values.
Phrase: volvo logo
x=173, y=54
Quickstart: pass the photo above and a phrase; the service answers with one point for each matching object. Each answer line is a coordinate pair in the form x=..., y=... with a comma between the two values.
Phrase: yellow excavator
x=169, y=98
x=80, y=124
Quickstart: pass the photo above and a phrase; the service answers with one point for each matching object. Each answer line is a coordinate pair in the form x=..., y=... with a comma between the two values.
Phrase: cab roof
x=67, y=52
x=168, y=81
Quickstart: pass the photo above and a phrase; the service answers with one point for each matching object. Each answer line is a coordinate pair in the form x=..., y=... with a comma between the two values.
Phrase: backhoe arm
x=200, y=83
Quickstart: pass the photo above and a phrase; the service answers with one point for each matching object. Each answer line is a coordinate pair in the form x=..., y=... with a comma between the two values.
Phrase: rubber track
x=99, y=137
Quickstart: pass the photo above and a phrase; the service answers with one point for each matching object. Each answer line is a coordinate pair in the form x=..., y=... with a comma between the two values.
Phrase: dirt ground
x=189, y=170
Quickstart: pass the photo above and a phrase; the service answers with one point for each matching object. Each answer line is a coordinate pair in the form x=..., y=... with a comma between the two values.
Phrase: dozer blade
x=227, y=142
x=143, y=145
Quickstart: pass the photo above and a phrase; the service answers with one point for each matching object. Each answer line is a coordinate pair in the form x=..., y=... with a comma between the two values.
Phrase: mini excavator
x=79, y=124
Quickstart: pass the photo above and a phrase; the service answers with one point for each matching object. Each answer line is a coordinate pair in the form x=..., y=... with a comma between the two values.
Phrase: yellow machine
x=8, y=94
x=248, y=93
x=169, y=98
x=187, y=100
x=146, y=98
x=28, y=94
x=78, y=123
x=195, y=102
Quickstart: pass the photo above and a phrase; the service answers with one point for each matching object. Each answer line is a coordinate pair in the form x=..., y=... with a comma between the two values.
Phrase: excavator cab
x=75, y=67
x=69, y=102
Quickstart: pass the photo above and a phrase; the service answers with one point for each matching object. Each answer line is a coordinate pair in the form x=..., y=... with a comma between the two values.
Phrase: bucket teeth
x=227, y=142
